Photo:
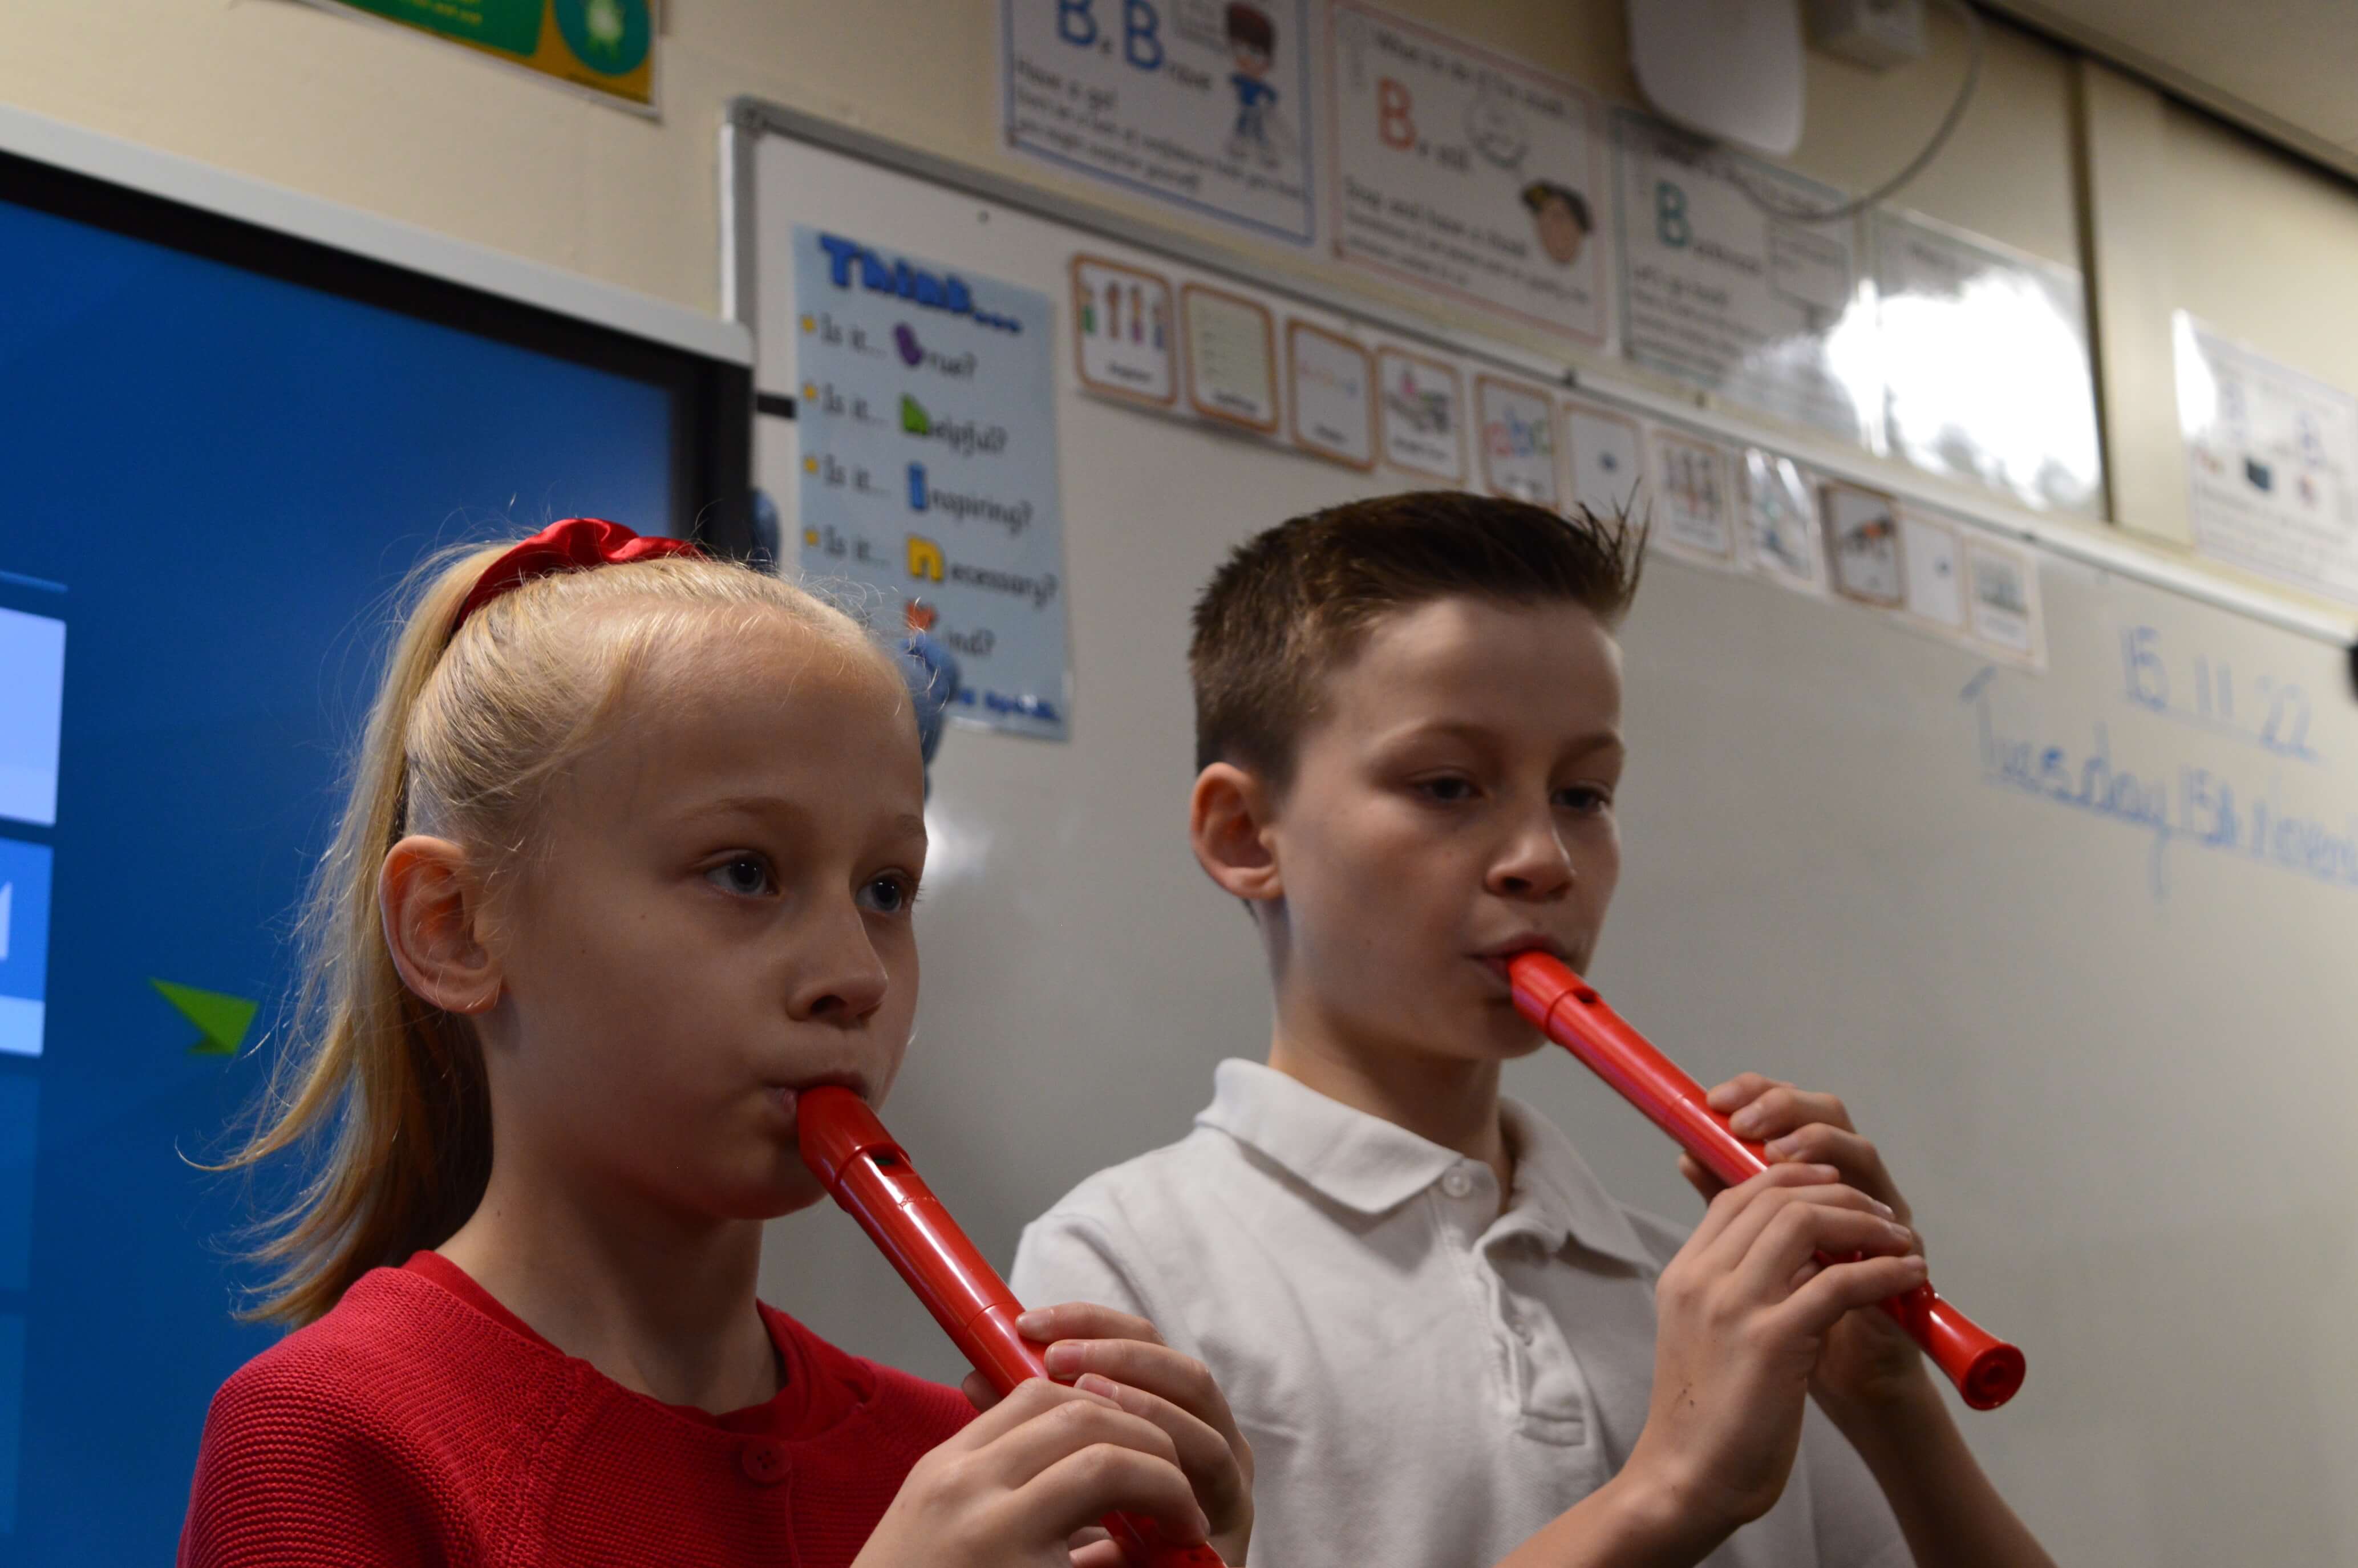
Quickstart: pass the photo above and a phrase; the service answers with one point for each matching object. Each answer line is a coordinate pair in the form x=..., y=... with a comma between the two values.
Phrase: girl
x=628, y=863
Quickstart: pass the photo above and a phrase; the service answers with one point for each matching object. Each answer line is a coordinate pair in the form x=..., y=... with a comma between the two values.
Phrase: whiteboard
x=2108, y=1059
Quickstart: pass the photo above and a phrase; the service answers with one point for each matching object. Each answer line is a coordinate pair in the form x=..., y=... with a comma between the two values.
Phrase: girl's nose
x=845, y=980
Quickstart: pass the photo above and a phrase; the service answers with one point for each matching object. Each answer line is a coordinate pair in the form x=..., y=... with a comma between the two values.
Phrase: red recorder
x=869, y=1174
x=1986, y=1368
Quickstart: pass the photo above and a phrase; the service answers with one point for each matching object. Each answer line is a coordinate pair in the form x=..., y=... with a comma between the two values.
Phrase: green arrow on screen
x=221, y=1020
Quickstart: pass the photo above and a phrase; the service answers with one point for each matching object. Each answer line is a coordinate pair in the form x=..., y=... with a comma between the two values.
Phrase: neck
x=1449, y=1100
x=662, y=1305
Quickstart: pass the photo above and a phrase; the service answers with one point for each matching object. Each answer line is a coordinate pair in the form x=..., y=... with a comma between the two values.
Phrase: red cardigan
x=421, y=1423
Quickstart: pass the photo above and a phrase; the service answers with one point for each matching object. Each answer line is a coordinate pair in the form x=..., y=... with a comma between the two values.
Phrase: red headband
x=576, y=544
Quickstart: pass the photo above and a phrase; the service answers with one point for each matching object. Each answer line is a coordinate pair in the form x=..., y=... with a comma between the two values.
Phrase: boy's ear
x=431, y=904
x=1229, y=818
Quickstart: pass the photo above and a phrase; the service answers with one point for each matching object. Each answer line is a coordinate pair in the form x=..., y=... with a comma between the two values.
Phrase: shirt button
x=1457, y=1183
x=764, y=1463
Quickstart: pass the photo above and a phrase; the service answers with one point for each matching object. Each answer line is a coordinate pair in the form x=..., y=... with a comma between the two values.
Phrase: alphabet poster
x=1467, y=172
x=928, y=431
x=1203, y=104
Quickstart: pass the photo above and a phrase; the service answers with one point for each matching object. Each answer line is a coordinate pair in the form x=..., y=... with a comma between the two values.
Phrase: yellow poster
x=605, y=45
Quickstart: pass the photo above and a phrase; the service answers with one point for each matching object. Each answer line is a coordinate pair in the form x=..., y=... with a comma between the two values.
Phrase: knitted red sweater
x=420, y=1422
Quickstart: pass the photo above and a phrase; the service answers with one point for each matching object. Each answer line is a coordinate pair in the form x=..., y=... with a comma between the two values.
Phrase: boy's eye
x=1586, y=799
x=1446, y=791
x=892, y=893
x=748, y=876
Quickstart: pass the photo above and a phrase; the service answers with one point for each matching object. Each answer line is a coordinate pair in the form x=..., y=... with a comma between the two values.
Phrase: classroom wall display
x=1421, y=412
x=1466, y=172
x=1933, y=562
x=1780, y=537
x=1206, y=107
x=1863, y=540
x=1231, y=357
x=2271, y=464
x=1693, y=510
x=1606, y=455
x=1514, y=426
x=1717, y=293
x=1331, y=388
x=928, y=433
x=606, y=47
x=1987, y=374
x=2002, y=599
x=1123, y=340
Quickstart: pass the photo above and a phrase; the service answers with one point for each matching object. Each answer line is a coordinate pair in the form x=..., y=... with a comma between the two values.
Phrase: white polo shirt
x=1425, y=1381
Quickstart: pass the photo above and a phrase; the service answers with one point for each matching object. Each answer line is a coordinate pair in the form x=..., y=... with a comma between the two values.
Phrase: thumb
x=1701, y=1180
x=979, y=1391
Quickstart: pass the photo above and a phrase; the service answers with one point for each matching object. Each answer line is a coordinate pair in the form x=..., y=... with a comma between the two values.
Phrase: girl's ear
x=1229, y=819
x=431, y=904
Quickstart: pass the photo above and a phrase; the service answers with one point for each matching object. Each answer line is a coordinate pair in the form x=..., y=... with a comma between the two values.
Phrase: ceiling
x=2284, y=69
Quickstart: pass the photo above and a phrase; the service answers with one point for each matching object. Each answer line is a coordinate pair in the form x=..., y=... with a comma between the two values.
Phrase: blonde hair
x=466, y=732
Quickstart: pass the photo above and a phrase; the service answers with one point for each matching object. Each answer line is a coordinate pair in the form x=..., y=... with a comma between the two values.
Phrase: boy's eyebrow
x=1483, y=734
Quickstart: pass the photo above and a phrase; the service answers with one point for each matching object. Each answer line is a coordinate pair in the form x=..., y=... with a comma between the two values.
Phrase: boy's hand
x=1120, y=1357
x=1869, y=1361
x=1744, y=1311
x=1027, y=1476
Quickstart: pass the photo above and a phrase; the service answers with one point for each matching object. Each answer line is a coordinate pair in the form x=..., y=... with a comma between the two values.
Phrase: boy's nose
x=1536, y=866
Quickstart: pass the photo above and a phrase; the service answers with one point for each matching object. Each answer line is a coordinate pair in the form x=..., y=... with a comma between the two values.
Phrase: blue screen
x=209, y=481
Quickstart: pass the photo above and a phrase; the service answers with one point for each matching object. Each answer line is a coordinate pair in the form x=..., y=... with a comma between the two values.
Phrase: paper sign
x=1205, y=105
x=1935, y=571
x=2271, y=464
x=1716, y=292
x=1608, y=465
x=928, y=432
x=1862, y=538
x=1422, y=410
x=1333, y=405
x=1780, y=522
x=1693, y=507
x=604, y=46
x=2002, y=598
x=1985, y=365
x=1466, y=172
x=1515, y=426
x=1231, y=358
x=1122, y=340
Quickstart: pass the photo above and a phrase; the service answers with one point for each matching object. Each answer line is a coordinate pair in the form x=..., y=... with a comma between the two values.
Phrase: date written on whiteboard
x=2211, y=694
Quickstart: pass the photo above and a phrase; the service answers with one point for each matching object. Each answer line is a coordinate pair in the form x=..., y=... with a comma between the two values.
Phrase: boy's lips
x=1495, y=956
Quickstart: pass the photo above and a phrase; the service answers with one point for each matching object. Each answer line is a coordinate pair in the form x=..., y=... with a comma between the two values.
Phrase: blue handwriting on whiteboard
x=935, y=291
x=2185, y=804
x=2273, y=716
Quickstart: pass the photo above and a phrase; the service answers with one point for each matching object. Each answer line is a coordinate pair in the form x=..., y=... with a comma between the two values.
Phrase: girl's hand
x=1121, y=1358
x=1743, y=1315
x=1026, y=1476
x=1869, y=1361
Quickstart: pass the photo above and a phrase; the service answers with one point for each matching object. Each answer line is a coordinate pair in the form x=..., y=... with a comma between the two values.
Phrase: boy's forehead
x=1465, y=656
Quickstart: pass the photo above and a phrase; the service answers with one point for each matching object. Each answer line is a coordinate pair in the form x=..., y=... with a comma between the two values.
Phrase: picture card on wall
x=1607, y=458
x=1863, y=540
x=1122, y=342
x=1781, y=541
x=1231, y=358
x=1693, y=503
x=2002, y=598
x=1422, y=404
x=1515, y=426
x=1332, y=404
x=1929, y=551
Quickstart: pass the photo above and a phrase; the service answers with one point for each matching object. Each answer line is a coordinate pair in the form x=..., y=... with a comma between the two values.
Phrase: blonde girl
x=628, y=863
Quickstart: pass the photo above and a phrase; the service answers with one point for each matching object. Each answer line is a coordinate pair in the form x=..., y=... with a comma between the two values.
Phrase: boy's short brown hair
x=1295, y=601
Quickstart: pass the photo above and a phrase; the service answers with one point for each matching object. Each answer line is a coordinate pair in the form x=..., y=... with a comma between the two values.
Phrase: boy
x=1445, y=1342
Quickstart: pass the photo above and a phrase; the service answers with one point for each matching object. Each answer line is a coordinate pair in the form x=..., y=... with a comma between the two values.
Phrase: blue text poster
x=928, y=429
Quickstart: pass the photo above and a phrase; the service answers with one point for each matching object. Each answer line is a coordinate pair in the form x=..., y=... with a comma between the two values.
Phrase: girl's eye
x=748, y=876
x=1585, y=799
x=892, y=893
x=1446, y=791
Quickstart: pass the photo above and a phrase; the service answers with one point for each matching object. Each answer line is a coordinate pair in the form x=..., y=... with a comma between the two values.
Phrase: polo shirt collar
x=1368, y=1164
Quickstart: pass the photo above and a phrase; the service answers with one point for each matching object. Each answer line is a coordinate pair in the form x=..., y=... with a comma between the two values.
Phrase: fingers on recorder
x=1758, y=1248
x=1041, y=1465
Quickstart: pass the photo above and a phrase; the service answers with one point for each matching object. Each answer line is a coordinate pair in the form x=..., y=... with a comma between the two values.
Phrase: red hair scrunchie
x=575, y=543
